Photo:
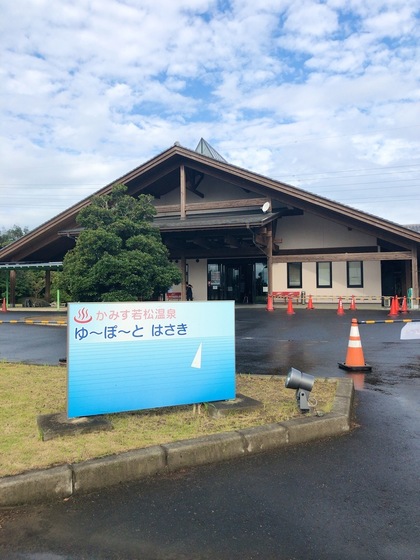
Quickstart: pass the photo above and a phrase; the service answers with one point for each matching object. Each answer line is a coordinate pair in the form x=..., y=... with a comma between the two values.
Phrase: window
x=324, y=275
x=355, y=274
x=294, y=275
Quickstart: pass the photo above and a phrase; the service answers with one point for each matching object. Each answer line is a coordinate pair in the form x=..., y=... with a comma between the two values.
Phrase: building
x=239, y=235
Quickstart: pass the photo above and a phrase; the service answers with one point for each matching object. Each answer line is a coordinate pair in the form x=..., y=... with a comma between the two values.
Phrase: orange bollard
x=310, y=303
x=353, y=304
x=355, y=360
x=393, y=312
x=404, y=308
x=340, y=309
x=270, y=306
x=4, y=306
x=290, y=307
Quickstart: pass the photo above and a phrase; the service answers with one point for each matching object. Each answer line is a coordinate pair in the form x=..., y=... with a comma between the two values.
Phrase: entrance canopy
x=216, y=236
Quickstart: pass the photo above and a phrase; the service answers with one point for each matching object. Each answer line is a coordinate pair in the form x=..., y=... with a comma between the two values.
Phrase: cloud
x=311, y=19
x=299, y=90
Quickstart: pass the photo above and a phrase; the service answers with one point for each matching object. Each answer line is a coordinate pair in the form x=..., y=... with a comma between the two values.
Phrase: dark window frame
x=318, y=283
x=294, y=286
x=350, y=283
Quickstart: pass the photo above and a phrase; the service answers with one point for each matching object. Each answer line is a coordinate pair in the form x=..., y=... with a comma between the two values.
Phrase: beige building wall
x=371, y=281
x=312, y=232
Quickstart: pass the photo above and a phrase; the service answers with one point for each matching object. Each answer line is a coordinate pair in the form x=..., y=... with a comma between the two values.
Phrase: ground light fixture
x=303, y=383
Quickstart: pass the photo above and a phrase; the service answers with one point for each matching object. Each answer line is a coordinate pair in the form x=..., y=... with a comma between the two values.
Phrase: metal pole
x=12, y=288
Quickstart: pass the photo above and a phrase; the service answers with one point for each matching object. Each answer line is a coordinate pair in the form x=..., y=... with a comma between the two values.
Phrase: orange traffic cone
x=393, y=312
x=353, y=304
x=4, y=306
x=404, y=308
x=270, y=306
x=355, y=360
x=290, y=307
x=310, y=303
x=340, y=309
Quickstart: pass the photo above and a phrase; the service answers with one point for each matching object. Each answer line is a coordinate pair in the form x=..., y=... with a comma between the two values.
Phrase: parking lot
x=350, y=497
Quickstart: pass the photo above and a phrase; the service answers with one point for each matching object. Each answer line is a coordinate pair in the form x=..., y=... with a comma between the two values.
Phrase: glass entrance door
x=214, y=281
x=242, y=281
x=232, y=284
x=260, y=275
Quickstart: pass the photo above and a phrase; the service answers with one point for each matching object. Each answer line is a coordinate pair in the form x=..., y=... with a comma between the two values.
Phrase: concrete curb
x=69, y=480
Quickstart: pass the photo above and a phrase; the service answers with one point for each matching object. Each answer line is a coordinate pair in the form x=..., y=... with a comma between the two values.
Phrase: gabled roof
x=161, y=174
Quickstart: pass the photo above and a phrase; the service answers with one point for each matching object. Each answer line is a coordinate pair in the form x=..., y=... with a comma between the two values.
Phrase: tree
x=26, y=280
x=119, y=254
x=12, y=234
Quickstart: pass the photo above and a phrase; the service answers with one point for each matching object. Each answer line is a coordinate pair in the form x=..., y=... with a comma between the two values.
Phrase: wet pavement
x=32, y=344
x=315, y=341
x=346, y=498
x=266, y=342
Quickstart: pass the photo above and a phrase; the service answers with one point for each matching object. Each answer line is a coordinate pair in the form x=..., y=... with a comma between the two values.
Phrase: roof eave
x=298, y=197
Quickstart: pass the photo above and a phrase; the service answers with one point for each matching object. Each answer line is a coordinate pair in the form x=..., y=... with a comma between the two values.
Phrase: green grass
x=27, y=391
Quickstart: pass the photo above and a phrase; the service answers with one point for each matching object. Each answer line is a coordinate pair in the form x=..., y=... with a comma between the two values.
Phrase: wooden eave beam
x=197, y=251
x=215, y=205
x=343, y=257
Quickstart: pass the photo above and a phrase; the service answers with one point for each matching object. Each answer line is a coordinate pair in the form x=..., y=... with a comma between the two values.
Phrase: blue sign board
x=137, y=355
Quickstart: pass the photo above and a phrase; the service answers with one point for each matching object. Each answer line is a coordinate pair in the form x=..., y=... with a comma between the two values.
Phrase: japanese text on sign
x=114, y=331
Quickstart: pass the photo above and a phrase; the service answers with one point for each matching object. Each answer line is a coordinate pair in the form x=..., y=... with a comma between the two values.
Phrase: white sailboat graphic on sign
x=196, y=363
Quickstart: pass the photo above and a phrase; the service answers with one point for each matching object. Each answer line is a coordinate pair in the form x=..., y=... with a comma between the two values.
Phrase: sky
x=322, y=95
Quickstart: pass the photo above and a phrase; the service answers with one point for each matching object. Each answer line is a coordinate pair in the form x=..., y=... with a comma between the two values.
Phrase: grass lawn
x=27, y=391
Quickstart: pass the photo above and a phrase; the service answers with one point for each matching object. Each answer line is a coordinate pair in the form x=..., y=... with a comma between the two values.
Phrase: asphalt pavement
x=350, y=497
x=21, y=340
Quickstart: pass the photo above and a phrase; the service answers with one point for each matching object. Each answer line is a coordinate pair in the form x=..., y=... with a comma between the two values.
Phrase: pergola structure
x=11, y=268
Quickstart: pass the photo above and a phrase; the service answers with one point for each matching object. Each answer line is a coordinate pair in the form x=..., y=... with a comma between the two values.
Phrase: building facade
x=242, y=236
